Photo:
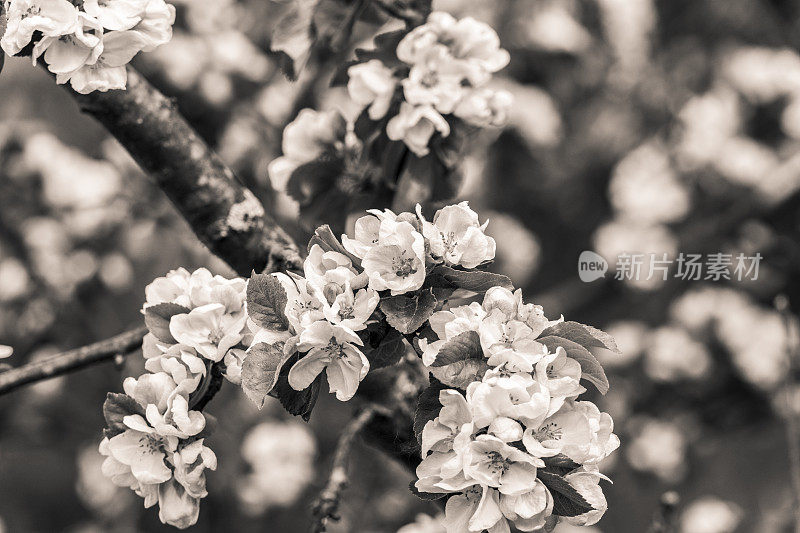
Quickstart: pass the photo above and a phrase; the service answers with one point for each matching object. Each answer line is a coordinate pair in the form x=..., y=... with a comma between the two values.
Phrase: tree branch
x=224, y=214
x=327, y=505
x=63, y=363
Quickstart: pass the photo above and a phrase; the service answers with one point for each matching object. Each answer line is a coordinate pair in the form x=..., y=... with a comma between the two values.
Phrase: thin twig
x=63, y=363
x=790, y=414
x=327, y=505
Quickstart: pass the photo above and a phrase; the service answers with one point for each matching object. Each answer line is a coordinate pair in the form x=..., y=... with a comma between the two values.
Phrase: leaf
x=384, y=50
x=156, y=318
x=266, y=302
x=459, y=375
x=559, y=464
x=408, y=312
x=297, y=403
x=324, y=237
x=314, y=178
x=261, y=369
x=428, y=407
x=466, y=345
x=471, y=280
x=115, y=408
x=566, y=500
x=586, y=336
x=426, y=496
x=591, y=368
x=389, y=351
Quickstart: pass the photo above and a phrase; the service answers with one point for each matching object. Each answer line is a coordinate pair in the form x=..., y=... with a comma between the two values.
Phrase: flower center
x=215, y=335
x=403, y=266
x=334, y=349
x=151, y=443
x=549, y=431
x=497, y=463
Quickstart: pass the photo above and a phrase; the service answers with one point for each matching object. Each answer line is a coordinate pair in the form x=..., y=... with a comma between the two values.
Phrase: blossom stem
x=327, y=505
x=71, y=360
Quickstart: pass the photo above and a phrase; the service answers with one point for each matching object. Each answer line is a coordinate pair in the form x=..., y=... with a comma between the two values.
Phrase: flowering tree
x=487, y=410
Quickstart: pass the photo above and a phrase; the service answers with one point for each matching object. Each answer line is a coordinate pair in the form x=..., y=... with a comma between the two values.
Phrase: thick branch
x=225, y=215
x=63, y=363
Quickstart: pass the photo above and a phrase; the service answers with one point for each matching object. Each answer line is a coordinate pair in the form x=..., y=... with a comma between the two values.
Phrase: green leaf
x=471, y=280
x=566, y=500
x=408, y=312
x=389, y=351
x=261, y=369
x=115, y=408
x=586, y=336
x=426, y=496
x=156, y=318
x=591, y=368
x=464, y=346
x=297, y=403
x=266, y=302
x=428, y=407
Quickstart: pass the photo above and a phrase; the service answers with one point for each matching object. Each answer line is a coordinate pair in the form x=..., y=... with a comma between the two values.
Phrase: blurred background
x=650, y=126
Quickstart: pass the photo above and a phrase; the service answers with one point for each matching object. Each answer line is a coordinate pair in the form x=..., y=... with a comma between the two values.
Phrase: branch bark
x=224, y=214
x=66, y=362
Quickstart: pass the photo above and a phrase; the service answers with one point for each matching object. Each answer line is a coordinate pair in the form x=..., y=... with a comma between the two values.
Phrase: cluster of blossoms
x=498, y=443
x=88, y=42
x=154, y=442
x=389, y=255
x=447, y=64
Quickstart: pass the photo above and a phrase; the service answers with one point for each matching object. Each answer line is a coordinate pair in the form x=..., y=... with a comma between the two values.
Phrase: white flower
x=52, y=18
x=108, y=72
x=492, y=462
x=560, y=375
x=234, y=360
x=352, y=309
x=513, y=307
x=426, y=86
x=510, y=342
x=457, y=237
x=333, y=349
x=6, y=351
x=166, y=407
x=438, y=434
x=485, y=107
x=304, y=305
x=116, y=14
x=208, y=329
x=586, y=480
x=578, y=430
x=67, y=53
x=397, y=262
x=530, y=509
x=367, y=232
x=155, y=28
x=181, y=362
x=310, y=135
x=330, y=272
x=473, y=47
x=475, y=510
x=176, y=507
x=415, y=125
x=205, y=288
x=512, y=396
x=372, y=84
x=172, y=288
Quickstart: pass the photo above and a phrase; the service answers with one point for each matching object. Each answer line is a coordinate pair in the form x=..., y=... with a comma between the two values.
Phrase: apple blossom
x=329, y=272
x=304, y=304
x=180, y=361
x=439, y=433
x=426, y=86
x=52, y=18
x=474, y=510
x=397, y=261
x=205, y=288
x=586, y=481
x=484, y=107
x=116, y=14
x=209, y=329
x=67, y=53
x=352, y=309
x=510, y=342
x=372, y=84
x=415, y=125
x=310, y=135
x=155, y=28
x=172, y=288
x=108, y=72
x=507, y=397
x=165, y=404
x=529, y=510
x=456, y=236
x=333, y=349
